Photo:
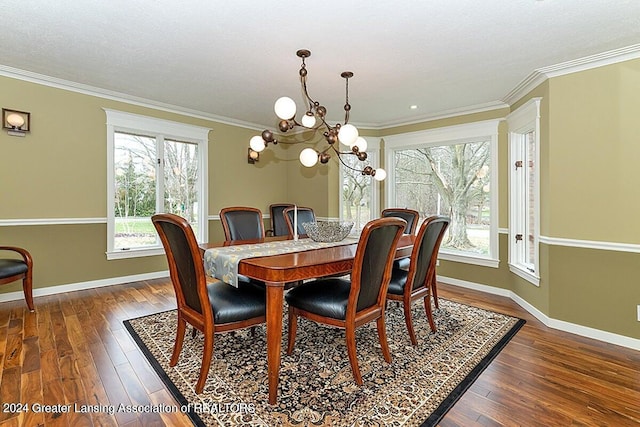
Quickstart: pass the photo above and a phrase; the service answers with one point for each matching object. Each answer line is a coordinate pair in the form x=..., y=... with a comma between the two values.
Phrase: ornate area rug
x=316, y=385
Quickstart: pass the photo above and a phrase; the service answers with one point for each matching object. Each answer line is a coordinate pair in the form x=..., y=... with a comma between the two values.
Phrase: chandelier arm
x=347, y=107
x=330, y=133
x=348, y=166
x=340, y=153
x=305, y=92
x=303, y=80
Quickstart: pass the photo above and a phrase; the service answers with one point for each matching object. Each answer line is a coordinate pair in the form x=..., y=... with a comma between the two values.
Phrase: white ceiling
x=232, y=59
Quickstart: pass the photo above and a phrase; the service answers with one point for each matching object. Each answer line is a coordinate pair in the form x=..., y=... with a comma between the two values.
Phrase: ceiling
x=231, y=60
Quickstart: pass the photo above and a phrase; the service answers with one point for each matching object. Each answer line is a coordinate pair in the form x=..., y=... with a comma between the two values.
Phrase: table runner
x=222, y=263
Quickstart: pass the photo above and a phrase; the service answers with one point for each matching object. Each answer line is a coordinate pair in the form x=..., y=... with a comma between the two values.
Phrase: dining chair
x=412, y=217
x=242, y=223
x=14, y=269
x=420, y=280
x=350, y=303
x=278, y=223
x=409, y=215
x=210, y=307
x=304, y=215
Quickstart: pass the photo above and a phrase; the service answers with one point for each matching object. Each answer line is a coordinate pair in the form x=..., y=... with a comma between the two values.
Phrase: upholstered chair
x=350, y=303
x=14, y=269
x=242, y=223
x=420, y=280
x=210, y=307
x=304, y=215
x=278, y=223
x=412, y=217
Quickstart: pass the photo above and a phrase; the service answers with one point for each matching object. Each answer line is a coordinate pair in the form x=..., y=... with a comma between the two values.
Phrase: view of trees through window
x=145, y=167
x=451, y=180
x=356, y=194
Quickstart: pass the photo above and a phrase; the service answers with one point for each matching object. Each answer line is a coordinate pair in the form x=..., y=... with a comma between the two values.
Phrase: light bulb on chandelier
x=345, y=133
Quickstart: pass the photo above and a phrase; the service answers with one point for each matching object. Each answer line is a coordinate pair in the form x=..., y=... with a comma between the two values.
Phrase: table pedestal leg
x=275, y=294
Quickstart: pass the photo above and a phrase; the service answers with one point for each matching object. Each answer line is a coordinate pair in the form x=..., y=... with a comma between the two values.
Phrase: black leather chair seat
x=232, y=304
x=11, y=267
x=326, y=297
x=398, y=280
x=402, y=263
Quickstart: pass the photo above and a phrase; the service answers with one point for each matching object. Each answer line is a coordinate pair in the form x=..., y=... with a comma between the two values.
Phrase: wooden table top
x=307, y=264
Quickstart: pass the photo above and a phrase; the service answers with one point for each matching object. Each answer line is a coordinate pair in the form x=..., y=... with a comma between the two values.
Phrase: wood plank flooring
x=74, y=350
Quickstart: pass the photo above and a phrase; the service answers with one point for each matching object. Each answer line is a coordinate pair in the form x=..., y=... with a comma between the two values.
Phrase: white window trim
x=119, y=121
x=525, y=119
x=451, y=134
x=373, y=150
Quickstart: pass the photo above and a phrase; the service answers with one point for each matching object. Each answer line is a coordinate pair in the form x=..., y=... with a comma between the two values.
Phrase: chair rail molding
x=591, y=244
x=51, y=221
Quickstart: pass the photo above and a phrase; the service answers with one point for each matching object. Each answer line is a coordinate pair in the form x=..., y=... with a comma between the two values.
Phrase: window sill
x=134, y=253
x=466, y=259
x=525, y=274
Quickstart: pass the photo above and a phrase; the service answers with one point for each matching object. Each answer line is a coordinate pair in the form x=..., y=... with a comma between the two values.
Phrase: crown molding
x=533, y=80
x=57, y=83
x=539, y=75
x=455, y=112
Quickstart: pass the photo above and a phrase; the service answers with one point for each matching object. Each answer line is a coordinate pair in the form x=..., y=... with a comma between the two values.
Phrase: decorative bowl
x=327, y=231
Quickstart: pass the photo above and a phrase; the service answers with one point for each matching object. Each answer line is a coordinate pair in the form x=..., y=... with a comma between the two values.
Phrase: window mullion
x=160, y=174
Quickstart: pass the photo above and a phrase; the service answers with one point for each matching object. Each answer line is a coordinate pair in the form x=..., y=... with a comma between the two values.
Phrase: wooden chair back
x=304, y=215
x=372, y=264
x=278, y=222
x=424, y=255
x=411, y=216
x=242, y=223
x=186, y=267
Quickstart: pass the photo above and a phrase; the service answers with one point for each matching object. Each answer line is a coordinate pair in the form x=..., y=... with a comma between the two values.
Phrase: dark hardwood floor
x=74, y=349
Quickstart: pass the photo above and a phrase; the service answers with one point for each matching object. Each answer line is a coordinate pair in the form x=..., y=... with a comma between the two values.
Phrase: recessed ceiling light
x=414, y=107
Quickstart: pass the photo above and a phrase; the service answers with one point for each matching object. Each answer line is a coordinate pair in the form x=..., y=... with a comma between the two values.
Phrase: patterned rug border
x=464, y=385
x=433, y=419
x=173, y=389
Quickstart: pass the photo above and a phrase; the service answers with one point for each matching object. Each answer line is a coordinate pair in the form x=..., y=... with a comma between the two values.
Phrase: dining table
x=278, y=270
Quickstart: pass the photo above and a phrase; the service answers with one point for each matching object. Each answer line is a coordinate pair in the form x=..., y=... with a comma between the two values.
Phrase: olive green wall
x=594, y=147
x=591, y=195
x=59, y=171
x=589, y=145
x=315, y=187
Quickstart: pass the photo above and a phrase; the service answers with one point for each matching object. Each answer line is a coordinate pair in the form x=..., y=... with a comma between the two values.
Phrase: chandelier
x=314, y=119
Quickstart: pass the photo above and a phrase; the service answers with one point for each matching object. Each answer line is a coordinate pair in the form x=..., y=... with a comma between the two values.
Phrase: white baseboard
x=52, y=290
x=573, y=328
x=561, y=325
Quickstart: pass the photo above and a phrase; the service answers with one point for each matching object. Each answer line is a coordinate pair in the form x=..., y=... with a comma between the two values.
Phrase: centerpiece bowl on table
x=328, y=231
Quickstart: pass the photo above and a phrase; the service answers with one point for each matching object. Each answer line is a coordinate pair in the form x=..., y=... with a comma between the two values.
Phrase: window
x=524, y=196
x=359, y=193
x=153, y=166
x=450, y=171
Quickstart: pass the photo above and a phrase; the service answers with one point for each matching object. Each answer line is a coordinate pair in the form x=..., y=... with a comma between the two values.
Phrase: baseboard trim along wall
x=80, y=286
x=584, y=331
x=561, y=325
